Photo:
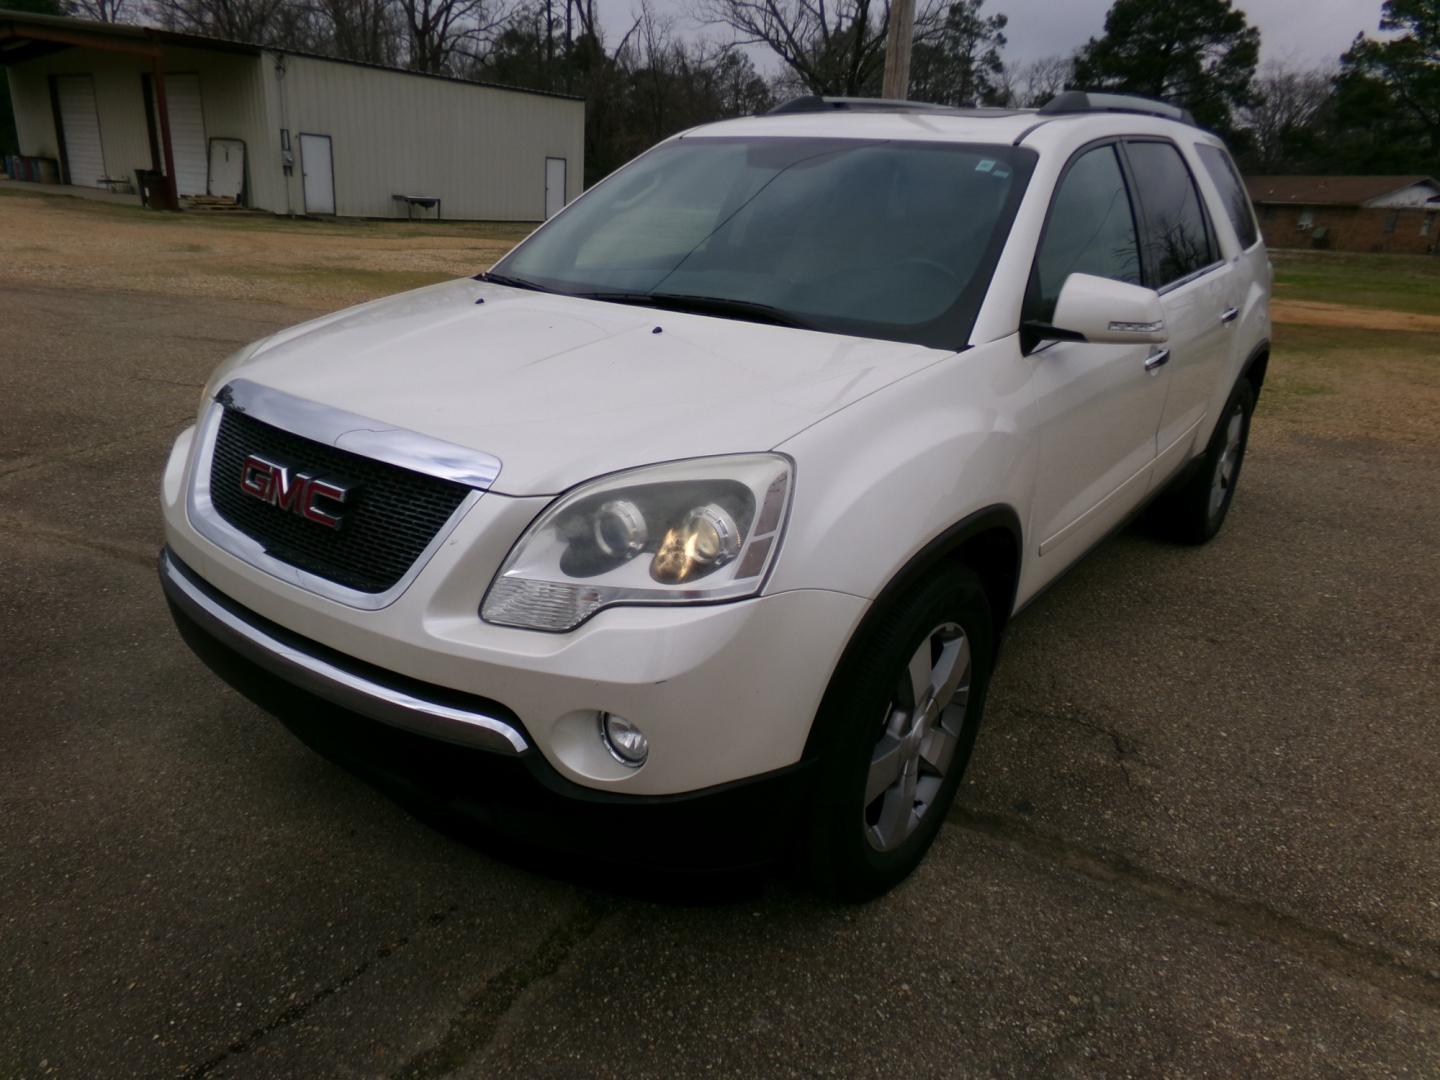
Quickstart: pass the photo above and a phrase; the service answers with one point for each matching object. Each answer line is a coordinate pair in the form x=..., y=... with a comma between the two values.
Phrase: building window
x=1307, y=218
x=1391, y=220
x=1426, y=223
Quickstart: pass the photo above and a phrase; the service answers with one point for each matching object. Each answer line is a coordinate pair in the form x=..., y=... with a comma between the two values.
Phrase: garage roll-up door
x=187, y=132
x=75, y=94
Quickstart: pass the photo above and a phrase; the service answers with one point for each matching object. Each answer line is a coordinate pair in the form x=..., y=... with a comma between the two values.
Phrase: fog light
x=626, y=742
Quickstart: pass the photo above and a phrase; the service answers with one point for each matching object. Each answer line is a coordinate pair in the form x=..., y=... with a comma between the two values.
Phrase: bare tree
x=831, y=48
x=367, y=30
x=443, y=34
x=1288, y=102
x=110, y=11
x=263, y=22
x=1035, y=82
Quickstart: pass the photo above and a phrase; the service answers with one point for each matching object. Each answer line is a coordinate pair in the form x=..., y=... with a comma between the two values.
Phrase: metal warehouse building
x=283, y=131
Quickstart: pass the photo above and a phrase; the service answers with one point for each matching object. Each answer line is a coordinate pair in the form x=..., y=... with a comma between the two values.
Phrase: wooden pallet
x=216, y=204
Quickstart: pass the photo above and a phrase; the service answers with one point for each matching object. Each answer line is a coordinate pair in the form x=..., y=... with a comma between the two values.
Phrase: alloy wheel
x=920, y=735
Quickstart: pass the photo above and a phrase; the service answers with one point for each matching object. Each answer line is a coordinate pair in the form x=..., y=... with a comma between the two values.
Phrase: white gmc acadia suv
x=687, y=535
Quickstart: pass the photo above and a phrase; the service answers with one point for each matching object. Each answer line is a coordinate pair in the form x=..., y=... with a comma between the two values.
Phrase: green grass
x=1392, y=282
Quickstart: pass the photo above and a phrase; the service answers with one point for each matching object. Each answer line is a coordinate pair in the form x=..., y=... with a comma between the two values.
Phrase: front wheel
x=899, y=726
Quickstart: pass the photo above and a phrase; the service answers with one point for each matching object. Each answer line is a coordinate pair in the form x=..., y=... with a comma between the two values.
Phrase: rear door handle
x=1230, y=314
x=1155, y=361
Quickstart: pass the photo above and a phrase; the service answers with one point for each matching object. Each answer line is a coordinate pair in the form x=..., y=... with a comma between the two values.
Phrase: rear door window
x=1176, y=234
x=1232, y=193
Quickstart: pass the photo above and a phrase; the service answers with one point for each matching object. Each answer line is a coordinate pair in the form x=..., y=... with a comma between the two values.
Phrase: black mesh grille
x=389, y=516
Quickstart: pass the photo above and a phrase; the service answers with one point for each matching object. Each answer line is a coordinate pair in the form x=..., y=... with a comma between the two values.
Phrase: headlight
x=684, y=533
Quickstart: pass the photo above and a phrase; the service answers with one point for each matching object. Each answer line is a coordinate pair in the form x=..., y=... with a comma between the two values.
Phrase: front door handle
x=1230, y=314
x=1155, y=361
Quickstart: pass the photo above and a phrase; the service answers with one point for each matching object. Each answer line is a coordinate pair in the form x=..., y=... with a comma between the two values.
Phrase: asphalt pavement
x=1200, y=835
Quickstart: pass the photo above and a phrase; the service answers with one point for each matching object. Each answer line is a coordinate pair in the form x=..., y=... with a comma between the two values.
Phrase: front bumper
x=309, y=667
x=420, y=743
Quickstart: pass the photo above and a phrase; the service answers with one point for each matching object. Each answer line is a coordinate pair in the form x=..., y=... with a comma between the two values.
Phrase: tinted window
x=1232, y=193
x=1090, y=230
x=1175, y=234
x=876, y=238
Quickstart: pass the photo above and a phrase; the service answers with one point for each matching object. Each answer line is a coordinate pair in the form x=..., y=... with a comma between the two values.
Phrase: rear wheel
x=1193, y=512
x=900, y=726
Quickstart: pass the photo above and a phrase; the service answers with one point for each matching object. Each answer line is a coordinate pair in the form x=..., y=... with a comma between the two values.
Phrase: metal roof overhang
x=28, y=37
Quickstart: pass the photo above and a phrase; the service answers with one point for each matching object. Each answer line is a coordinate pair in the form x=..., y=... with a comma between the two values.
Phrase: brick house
x=1349, y=213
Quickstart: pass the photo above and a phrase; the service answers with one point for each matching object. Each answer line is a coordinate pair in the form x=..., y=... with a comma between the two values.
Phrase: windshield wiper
x=514, y=282
x=705, y=305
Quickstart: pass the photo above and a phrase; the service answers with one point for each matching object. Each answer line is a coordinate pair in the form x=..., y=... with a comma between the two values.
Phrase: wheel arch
x=1255, y=366
x=988, y=541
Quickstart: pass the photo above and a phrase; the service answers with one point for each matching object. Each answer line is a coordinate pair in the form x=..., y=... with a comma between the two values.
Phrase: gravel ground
x=69, y=242
x=1200, y=836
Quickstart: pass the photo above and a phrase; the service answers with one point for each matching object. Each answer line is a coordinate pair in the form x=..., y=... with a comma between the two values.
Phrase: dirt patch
x=1318, y=313
x=63, y=241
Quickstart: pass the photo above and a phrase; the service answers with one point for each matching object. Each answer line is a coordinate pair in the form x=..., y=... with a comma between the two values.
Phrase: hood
x=561, y=389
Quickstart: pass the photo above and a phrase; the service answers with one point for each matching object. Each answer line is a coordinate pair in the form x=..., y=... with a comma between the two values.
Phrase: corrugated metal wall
x=480, y=149
x=231, y=90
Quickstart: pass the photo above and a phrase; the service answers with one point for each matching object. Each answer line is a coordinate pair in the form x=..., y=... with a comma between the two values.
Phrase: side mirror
x=1102, y=311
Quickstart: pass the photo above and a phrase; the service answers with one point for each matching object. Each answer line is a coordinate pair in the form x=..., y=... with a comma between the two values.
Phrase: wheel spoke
x=897, y=813
x=918, y=675
x=885, y=765
x=1232, y=433
x=938, y=750
x=952, y=669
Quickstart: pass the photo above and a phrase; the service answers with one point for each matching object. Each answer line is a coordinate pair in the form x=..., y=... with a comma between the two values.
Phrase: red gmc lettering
x=299, y=494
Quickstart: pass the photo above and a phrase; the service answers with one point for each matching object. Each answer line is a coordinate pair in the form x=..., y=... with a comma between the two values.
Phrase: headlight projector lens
x=626, y=742
x=620, y=531
x=708, y=538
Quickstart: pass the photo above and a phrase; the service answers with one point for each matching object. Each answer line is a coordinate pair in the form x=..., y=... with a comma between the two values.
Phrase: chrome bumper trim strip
x=344, y=688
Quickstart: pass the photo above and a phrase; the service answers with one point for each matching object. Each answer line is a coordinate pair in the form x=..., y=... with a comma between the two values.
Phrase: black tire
x=843, y=856
x=1190, y=512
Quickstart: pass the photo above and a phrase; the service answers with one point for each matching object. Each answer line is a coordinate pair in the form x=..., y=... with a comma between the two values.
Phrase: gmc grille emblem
x=295, y=492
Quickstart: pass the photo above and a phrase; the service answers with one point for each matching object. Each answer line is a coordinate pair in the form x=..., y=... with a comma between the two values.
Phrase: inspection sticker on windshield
x=986, y=165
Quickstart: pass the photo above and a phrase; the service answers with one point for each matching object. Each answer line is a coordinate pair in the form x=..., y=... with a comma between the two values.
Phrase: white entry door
x=227, y=168
x=318, y=169
x=187, y=133
x=554, y=186
x=81, y=127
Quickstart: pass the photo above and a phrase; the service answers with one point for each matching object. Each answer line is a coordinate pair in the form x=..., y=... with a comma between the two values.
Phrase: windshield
x=886, y=239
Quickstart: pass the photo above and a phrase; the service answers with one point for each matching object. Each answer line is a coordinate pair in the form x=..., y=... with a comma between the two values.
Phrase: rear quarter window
x=1232, y=193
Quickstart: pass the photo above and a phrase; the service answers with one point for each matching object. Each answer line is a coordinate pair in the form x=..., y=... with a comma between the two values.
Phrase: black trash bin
x=154, y=191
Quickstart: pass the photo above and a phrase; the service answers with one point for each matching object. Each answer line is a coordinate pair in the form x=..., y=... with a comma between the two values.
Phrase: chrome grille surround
x=345, y=431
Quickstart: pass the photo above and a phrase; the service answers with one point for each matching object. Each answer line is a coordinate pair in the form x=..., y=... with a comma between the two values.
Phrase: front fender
x=879, y=481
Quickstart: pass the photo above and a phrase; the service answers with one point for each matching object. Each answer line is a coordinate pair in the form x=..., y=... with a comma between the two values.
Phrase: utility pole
x=898, y=38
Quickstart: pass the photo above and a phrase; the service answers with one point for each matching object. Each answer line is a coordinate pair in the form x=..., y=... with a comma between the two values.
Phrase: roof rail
x=1086, y=101
x=811, y=103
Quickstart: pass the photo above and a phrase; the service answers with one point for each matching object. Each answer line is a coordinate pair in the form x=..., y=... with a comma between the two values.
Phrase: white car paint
x=891, y=443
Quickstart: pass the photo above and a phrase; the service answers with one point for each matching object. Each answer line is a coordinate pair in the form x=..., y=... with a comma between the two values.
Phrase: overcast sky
x=1300, y=31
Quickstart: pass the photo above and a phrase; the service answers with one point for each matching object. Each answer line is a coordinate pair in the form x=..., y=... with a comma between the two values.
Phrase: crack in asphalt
x=1356, y=960
x=473, y=1028
x=99, y=547
x=80, y=451
x=1125, y=747
x=292, y=1013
